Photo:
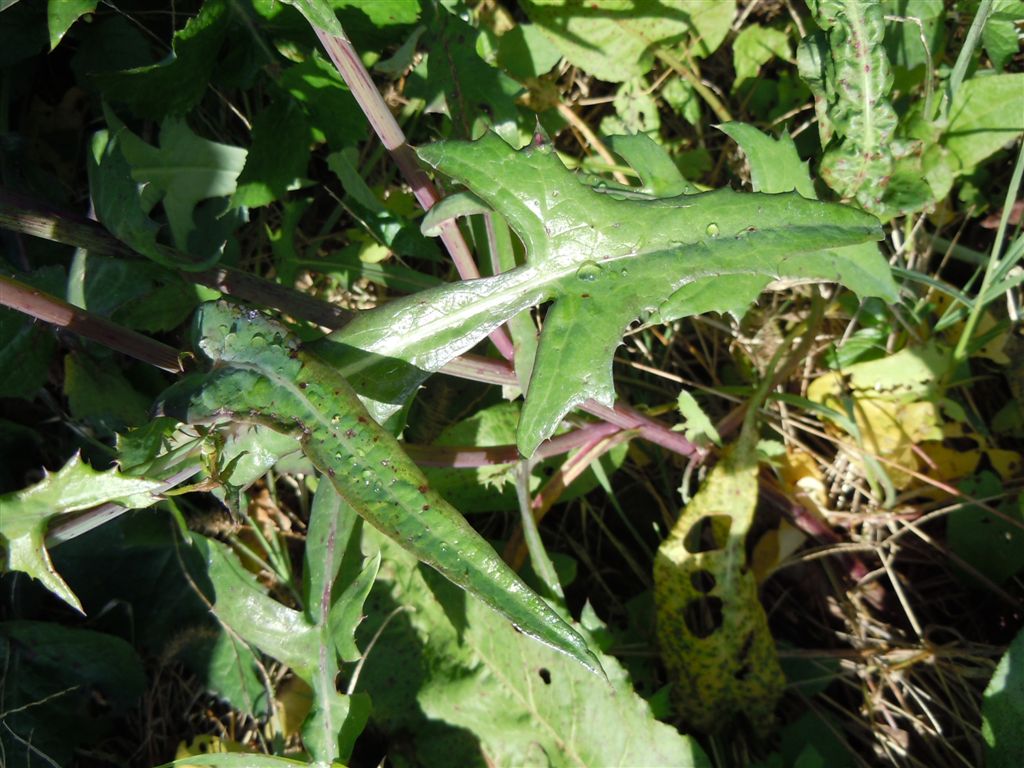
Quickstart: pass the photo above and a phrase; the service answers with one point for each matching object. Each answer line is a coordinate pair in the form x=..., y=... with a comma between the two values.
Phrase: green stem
x=960, y=351
x=963, y=59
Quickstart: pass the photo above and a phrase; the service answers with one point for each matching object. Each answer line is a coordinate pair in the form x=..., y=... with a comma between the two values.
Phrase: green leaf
x=316, y=84
x=659, y=174
x=27, y=346
x=1002, y=709
x=61, y=14
x=25, y=514
x=755, y=46
x=987, y=112
x=606, y=262
x=470, y=671
x=261, y=374
x=175, y=85
x=680, y=95
x=455, y=81
x=774, y=163
x=525, y=51
x=712, y=629
x=100, y=395
x=856, y=78
x=318, y=13
x=184, y=170
x=617, y=40
x=118, y=199
x=989, y=543
x=1000, y=36
x=696, y=425
x=54, y=678
x=236, y=760
x=279, y=156
x=636, y=110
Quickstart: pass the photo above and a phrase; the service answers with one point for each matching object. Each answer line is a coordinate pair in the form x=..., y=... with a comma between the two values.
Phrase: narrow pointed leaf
x=261, y=374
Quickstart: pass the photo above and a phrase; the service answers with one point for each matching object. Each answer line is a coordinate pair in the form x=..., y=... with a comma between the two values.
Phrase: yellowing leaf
x=712, y=629
x=773, y=547
x=803, y=479
x=294, y=700
x=892, y=405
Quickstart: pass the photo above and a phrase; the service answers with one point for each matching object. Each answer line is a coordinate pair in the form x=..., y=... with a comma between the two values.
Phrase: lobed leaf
x=605, y=261
x=25, y=515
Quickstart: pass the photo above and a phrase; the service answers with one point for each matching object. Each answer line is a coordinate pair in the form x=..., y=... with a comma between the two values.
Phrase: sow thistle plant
x=414, y=628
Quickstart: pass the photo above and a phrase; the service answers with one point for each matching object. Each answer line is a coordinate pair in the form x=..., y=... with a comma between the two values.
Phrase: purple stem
x=478, y=368
x=352, y=71
x=473, y=456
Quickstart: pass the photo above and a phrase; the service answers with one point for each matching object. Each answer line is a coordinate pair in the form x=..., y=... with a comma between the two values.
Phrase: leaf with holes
x=712, y=630
x=605, y=261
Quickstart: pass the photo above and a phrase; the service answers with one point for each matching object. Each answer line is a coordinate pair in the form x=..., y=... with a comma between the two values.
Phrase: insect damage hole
x=703, y=581
x=545, y=675
x=703, y=616
x=709, y=533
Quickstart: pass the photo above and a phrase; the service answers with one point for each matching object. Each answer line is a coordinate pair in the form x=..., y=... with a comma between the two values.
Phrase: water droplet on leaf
x=588, y=271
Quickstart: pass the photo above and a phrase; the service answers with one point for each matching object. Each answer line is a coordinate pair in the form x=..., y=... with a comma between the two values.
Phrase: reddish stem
x=352, y=71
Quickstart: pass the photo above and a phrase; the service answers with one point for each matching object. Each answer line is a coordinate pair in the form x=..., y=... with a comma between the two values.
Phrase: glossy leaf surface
x=262, y=375
x=606, y=262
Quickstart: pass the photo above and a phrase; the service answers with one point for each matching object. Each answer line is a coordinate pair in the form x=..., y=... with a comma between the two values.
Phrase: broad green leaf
x=262, y=375
x=26, y=346
x=606, y=262
x=316, y=84
x=101, y=396
x=755, y=46
x=712, y=629
x=53, y=678
x=320, y=14
x=61, y=14
x=25, y=514
x=236, y=760
x=774, y=163
x=905, y=46
x=987, y=112
x=117, y=198
x=1000, y=36
x=175, y=85
x=988, y=542
x=636, y=110
x=183, y=171
x=446, y=665
x=658, y=172
x=525, y=51
x=455, y=81
x=617, y=40
x=696, y=425
x=1002, y=709
x=279, y=156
